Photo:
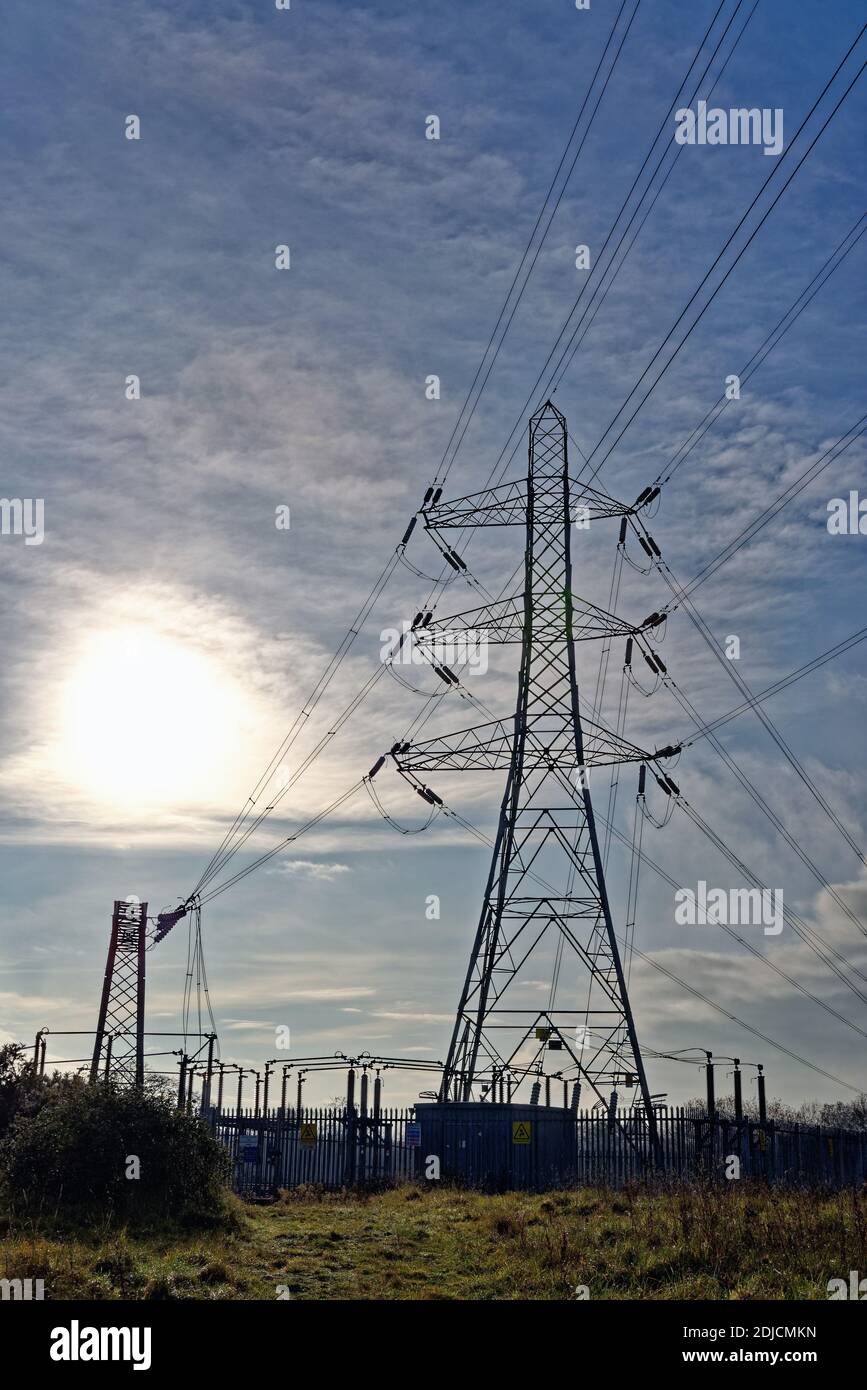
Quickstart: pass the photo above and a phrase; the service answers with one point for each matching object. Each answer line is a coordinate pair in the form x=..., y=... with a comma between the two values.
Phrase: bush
x=21, y=1090
x=72, y=1157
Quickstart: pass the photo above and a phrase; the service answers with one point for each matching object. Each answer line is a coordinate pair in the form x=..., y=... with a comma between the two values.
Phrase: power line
x=825, y=459
x=304, y=714
x=797, y=923
x=645, y=858
x=599, y=258
x=278, y=848
x=718, y=258
x=782, y=684
x=542, y=239
x=681, y=593
x=575, y=342
x=766, y=347
x=763, y=805
x=655, y=965
x=788, y=753
x=494, y=471
x=756, y=1032
x=220, y=862
x=226, y=848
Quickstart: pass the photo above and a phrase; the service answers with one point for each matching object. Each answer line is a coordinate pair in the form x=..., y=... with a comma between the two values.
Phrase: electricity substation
x=525, y=1097
x=544, y=1073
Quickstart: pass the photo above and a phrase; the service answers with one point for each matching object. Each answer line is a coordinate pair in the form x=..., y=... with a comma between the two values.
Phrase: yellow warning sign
x=307, y=1133
x=521, y=1131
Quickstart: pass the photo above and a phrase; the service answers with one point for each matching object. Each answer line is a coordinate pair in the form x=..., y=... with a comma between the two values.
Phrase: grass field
x=731, y=1243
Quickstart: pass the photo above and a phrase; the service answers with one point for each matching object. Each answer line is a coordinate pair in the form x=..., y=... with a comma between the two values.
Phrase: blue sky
x=260, y=388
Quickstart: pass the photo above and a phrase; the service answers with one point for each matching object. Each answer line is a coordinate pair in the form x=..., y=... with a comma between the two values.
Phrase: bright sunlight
x=143, y=718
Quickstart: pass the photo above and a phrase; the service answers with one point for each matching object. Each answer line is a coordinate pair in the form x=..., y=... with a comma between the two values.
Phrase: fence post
x=240, y=1092
x=362, y=1128
x=763, y=1108
x=351, y=1127
x=376, y=1137
x=209, y=1073
x=711, y=1096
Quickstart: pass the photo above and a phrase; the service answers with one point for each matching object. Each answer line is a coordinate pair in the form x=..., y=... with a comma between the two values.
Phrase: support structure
x=120, y=1027
x=546, y=901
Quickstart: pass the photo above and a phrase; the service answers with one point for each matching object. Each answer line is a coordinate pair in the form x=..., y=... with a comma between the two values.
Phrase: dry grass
x=735, y=1242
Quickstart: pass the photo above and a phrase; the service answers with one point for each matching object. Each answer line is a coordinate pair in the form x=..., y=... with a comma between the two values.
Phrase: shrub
x=21, y=1090
x=72, y=1157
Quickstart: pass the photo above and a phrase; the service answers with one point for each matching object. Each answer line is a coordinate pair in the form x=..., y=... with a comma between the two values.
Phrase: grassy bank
x=406, y=1243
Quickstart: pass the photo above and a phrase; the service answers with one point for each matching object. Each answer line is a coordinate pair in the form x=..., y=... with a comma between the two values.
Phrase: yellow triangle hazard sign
x=521, y=1131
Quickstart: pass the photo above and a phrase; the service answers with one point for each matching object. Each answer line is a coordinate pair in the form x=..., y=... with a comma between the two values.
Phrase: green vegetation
x=101, y=1154
x=73, y=1217
x=408, y=1243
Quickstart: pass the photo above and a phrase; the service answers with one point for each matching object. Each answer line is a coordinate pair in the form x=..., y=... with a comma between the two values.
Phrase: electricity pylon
x=120, y=1026
x=119, y=1042
x=546, y=881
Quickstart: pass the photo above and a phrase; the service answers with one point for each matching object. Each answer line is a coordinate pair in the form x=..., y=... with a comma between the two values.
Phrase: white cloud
x=310, y=868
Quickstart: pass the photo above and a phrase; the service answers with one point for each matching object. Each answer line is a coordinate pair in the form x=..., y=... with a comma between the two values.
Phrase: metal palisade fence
x=496, y=1150
x=331, y=1148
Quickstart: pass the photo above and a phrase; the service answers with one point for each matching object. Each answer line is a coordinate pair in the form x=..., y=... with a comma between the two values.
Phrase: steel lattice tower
x=120, y=1027
x=546, y=881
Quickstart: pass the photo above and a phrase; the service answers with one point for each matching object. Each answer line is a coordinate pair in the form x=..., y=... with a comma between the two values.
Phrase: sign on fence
x=307, y=1134
x=413, y=1135
x=249, y=1147
x=521, y=1130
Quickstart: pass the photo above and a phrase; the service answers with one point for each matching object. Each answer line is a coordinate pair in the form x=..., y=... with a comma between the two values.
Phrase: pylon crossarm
x=487, y=747
x=506, y=505
x=502, y=622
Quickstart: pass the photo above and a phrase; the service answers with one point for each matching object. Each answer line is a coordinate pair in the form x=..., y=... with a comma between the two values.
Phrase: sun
x=144, y=717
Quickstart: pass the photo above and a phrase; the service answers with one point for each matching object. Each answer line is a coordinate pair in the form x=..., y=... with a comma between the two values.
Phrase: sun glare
x=143, y=719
